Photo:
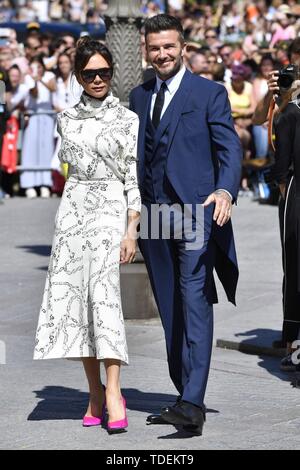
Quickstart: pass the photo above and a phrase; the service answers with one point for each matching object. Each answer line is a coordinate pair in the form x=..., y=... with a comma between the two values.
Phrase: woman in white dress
x=81, y=313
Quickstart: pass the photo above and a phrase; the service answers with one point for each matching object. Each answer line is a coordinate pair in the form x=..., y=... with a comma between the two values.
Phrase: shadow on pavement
x=271, y=364
x=259, y=341
x=260, y=338
x=69, y=403
x=40, y=250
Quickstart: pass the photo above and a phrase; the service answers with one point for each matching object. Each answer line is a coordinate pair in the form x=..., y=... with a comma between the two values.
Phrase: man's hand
x=223, y=207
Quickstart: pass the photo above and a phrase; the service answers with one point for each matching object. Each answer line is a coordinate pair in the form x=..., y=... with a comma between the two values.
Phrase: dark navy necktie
x=158, y=105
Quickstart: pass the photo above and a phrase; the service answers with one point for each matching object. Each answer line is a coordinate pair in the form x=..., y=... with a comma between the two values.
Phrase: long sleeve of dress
x=285, y=130
x=130, y=156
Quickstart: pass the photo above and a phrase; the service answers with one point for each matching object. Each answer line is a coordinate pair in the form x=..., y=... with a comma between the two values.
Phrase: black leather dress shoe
x=178, y=400
x=157, y=418
x=190, y=416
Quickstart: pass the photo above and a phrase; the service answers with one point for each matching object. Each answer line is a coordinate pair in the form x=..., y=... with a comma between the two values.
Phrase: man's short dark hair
x=163, y=22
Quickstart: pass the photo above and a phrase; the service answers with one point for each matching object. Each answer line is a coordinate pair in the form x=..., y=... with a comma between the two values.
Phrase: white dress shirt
x=173, y=84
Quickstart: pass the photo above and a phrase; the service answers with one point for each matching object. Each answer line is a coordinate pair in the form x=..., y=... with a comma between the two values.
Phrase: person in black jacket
x=286, y=173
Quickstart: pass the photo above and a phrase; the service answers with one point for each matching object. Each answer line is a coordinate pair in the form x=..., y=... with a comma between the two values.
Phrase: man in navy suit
x=189, y=155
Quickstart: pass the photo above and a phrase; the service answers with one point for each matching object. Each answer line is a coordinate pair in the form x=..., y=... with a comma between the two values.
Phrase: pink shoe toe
x=91, y=421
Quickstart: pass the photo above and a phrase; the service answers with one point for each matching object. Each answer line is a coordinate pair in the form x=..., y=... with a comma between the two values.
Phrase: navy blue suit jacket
x=204, y=153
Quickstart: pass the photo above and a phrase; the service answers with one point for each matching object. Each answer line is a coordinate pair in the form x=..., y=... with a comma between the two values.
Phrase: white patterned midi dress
x=81, y=313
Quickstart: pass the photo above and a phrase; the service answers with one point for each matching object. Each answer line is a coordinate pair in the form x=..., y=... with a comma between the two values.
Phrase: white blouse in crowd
x=44, y=98
x=66, y=95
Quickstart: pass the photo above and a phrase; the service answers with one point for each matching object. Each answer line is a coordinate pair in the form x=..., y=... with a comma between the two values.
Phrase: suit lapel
x=180, y=100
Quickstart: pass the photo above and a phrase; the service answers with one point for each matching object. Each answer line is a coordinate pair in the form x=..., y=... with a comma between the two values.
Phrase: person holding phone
x=286, y=172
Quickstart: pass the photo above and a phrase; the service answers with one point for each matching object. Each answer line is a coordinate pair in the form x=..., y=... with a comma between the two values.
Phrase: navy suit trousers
x=182, y=282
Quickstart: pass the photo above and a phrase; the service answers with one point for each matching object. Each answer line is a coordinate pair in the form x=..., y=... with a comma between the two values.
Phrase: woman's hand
x=128, y=244
x=128, y=250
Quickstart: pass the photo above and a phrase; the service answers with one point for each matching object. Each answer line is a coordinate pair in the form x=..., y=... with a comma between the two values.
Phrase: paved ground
x=251, y=404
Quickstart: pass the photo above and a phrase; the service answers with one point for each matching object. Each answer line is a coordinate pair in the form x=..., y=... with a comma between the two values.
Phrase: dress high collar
x=89, y=106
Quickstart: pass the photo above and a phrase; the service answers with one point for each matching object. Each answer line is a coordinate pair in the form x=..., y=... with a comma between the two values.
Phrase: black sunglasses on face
x=89, y=75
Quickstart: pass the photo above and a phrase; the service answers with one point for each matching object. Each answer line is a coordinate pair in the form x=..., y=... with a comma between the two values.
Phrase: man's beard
x=168, y=74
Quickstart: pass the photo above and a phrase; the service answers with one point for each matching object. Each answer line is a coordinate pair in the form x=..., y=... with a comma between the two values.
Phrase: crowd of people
x=234, y=43
x=79, y=11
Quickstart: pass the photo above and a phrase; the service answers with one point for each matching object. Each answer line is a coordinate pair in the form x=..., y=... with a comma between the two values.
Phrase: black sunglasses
x=89, y=75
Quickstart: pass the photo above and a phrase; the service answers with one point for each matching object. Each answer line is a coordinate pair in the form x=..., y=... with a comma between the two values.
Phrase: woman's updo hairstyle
x=86, y=47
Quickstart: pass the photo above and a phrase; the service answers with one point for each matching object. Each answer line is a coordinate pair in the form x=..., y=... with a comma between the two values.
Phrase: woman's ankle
x=113, y=391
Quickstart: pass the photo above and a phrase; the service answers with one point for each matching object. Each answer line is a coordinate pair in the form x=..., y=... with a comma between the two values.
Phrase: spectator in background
x=281, y=53
x=286, y=173
x=189, y=50
x=218, y=71
x=242, y=102
x=58, y=47
x=230, y=20
x=260, y=89
x=56, y=10
x=250, y=41
x=77, y=10
x=17, y=91
x=261, y=112
x=152, y=8
x=175, y=6
x=226, y=54
x=28, y=12
x=199, y=64
x=284, y=30
x=211, y=39
x=92, y=16
x=32, y=45
x=212, y=60
x=65, y=93
x=46, y=40
x=42, y=9
x=101, y=6
x=38, y=142
x=69, y=40
x=6, y=58
x=7, y=11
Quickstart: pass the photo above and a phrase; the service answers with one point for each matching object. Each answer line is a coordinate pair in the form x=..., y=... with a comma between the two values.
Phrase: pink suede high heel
x=114, y=427
x=89, y=421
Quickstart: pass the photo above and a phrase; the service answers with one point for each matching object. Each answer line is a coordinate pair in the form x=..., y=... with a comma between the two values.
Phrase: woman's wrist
x=133, y=220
